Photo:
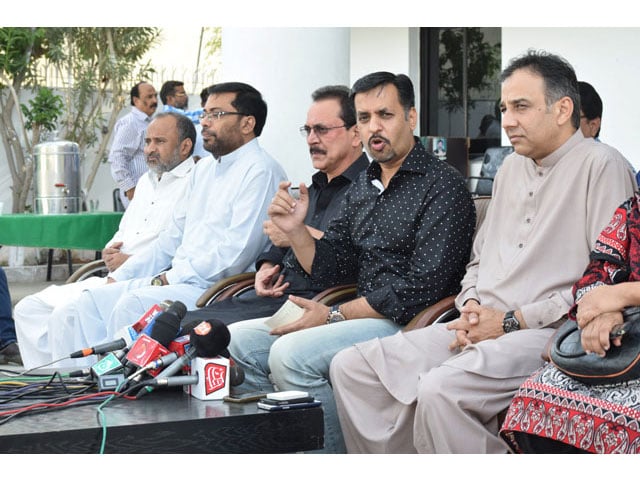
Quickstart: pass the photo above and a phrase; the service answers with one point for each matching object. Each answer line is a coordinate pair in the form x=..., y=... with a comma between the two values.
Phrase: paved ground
x=30, y=279
x=24, y=281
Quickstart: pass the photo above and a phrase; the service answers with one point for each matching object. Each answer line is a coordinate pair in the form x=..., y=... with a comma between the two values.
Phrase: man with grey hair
x=216, y=230
x=403, y=234
x=169, y=143
x=440, y=389
x=337, y=155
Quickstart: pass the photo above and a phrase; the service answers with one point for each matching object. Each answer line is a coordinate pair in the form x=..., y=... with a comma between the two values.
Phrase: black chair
x=493, y=158
x=118, y=206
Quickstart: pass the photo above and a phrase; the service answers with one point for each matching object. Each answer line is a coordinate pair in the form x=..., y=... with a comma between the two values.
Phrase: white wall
x=395, y=50
x=286, y=65
x=607, y=58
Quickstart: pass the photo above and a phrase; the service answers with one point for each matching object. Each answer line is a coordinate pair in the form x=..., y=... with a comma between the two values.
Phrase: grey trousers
x=408, y=393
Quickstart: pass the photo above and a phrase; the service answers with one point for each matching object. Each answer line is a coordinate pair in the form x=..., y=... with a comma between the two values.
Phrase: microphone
x=207, y=339
x=236, y=374
x=149, y=347
x=99, y=349
x=178, y=380
x=128, y=334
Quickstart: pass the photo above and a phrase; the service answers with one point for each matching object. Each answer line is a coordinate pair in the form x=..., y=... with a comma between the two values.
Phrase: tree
x=19, y=49
x=465, y=47
x=97, y=65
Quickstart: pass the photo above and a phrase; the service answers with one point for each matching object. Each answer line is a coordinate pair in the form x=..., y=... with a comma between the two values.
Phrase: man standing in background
x=175, y=99
x=126, y=155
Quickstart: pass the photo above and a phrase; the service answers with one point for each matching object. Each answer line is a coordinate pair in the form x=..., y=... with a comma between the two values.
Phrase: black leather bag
x=618, y=365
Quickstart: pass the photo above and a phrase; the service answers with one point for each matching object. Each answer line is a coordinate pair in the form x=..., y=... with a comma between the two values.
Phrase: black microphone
x=207, y=339
x=129, y=334
x=148, y=348
x=99, y=349
x=236, y=373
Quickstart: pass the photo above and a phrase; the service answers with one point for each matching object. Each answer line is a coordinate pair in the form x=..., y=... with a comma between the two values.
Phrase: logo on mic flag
x=215, y=377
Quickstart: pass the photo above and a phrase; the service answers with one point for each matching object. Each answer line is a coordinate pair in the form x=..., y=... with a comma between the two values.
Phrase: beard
x=156, y=165
x=219, y=146
x=380, y=156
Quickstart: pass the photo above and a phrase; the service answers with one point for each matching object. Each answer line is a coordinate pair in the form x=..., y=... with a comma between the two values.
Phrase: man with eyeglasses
x=403, y=235
x=175, y=99
x=336, y=152
x=216, y=229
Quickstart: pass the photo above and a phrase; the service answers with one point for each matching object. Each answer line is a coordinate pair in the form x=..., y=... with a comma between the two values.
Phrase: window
x=460, y=86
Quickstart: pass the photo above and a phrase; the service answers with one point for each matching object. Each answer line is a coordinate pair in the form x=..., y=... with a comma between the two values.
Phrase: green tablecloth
x=69, y=231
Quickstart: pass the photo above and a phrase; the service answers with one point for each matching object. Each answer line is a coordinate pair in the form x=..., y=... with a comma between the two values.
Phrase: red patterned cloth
x=604, y=419
x=616, y=255
x=552, y=406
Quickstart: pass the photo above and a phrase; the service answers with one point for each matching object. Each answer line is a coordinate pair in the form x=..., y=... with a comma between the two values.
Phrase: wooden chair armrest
x=440, y=311
x=337, y=294
x=214, y=292
x=87, y=270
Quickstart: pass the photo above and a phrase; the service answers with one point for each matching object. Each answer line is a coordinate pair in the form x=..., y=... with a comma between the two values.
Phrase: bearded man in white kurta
x=149, y=213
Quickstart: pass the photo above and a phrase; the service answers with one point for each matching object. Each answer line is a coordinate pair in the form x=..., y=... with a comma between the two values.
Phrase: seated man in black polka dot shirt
x=403, y=235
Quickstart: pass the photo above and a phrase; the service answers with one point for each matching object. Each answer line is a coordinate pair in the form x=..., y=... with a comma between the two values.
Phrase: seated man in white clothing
x=169, y=144
x=216, y=229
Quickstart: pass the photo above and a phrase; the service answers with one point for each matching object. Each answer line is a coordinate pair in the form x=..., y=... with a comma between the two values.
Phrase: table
x=69, y=231
x=166, y=422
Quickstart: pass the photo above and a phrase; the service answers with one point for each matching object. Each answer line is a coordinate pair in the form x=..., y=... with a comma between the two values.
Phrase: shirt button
x=520, y=245
x=528, y=220
x=540, y=174
x=531, y=194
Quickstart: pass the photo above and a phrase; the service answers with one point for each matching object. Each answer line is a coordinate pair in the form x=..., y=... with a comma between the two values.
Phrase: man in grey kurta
x=440, y=389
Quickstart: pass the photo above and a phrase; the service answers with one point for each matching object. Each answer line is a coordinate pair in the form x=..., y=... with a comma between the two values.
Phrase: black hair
x=341, y=94
x=184, y=125
x=248, y=101
x=590, y=102
x=169, y=89
x=135, y=91
x=403, y=84
x=204, y=94
x=558, y=75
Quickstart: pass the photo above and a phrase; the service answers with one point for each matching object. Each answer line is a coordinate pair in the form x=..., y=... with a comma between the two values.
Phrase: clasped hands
x=113, y=256
x=476, y=323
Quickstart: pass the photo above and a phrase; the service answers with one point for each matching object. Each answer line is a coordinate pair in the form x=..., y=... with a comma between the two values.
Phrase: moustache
x=377, y=137
x=316, y=150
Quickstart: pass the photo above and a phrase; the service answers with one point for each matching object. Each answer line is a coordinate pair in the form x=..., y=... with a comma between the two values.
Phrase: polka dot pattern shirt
x=407, y=246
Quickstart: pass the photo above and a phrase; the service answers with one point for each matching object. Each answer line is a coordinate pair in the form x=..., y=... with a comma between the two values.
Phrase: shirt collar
x=179, y=171
x=555, y=156
x=350, y=174
x=136, y=112
x=250, y=146
x=416, y=161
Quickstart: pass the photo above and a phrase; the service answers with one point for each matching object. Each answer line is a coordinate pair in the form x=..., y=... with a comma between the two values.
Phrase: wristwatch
x=335, y=315
x=510, y=323
x=157, y=281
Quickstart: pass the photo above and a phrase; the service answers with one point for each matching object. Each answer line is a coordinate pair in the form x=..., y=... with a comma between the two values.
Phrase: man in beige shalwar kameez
x=440, y=389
